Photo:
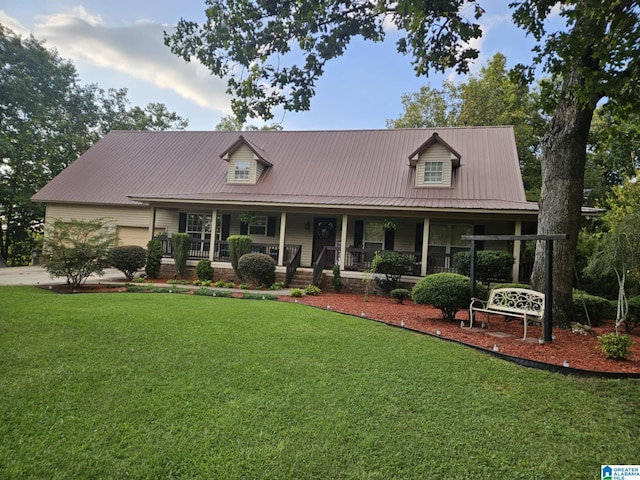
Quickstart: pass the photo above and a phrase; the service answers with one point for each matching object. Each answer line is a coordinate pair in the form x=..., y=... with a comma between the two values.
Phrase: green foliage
x=48, y=120
x=336, y=281
x=154, y=258
x=239, y=245
x=204, y=270
x=128, y=259
x=633, y=317
x=219, y=284
x=181, y=244
x=259, y=267
x=448, y=292
x=312, y=290
x=491, y=264
x=400, y=294
x=617, y=347
x=202, y=283
x=244, y=286
x=229, y=285
x=511, y=285
x=297, y=292
x=77, y=249
x=259, y=296
x=277, y=286
x=599, y=308
x=392, y=265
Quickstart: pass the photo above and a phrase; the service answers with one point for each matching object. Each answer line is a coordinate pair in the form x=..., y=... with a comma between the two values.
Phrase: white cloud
x=13, y=24
x=136, y=50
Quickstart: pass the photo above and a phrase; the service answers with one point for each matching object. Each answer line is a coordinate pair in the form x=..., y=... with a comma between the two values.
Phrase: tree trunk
x=563, y=164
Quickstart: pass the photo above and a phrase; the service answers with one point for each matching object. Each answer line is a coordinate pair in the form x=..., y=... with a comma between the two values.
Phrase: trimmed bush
x=204, y=270
x=154, y=258
x=617, y=347
x=392, y=265
x=633, y=317
x=400, y=294
x=312, y=290
x=259, y=267
x=181, y=244
x=336, y=281
x=599, y=308
x=491, y=264
x=128, y=259
x=448, y=292
x=297, y=292
x=239, y=245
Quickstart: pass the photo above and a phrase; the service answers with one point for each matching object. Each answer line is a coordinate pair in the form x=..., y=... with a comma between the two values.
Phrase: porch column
x=214, y=237
x=152, y=223
x=283, y=228
x=425, y=247
x=516, y=252
x=343, y=240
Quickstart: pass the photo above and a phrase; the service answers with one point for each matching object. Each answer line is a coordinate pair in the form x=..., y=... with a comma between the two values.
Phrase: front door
x=324, y=235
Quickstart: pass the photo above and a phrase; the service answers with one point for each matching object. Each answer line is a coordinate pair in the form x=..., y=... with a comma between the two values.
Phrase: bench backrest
x=517, y=300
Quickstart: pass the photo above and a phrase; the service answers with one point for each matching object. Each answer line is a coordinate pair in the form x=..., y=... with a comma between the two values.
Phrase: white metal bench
x=514, y=302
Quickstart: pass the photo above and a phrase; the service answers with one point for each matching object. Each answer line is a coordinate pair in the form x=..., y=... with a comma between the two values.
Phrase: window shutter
x=182, y=222
x=226, y=226
x=358, y=234
x=479, y=230
x=389, y=239
x=244, y=228
x=271, y=226
x=419, y=236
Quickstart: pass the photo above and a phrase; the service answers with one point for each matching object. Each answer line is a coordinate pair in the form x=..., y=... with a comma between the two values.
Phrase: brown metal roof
x=366, y=168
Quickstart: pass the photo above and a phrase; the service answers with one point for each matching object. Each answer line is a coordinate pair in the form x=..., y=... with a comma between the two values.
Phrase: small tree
x=239, y=245
x=128, y=259
x=181, y=244
x=392, y=265
x=154, y=258
x=77, y=249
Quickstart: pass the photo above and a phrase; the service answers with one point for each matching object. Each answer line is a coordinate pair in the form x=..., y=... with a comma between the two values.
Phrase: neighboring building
x=312, y=198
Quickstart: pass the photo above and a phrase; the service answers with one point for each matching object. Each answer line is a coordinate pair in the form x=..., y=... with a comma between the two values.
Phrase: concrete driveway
x=37, y=275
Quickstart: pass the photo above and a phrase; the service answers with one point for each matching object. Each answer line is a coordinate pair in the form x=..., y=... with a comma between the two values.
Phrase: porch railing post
x=283, y=227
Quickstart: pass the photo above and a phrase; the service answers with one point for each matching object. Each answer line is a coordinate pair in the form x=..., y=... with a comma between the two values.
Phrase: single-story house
x=310, y=199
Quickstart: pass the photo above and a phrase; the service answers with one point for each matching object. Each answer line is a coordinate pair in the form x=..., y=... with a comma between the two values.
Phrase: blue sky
x=119, y=44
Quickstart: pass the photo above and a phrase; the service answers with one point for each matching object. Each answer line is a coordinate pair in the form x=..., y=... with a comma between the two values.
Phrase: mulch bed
x=579, y=352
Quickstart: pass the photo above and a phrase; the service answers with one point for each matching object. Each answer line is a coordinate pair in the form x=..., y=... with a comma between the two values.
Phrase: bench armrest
x=477, y=302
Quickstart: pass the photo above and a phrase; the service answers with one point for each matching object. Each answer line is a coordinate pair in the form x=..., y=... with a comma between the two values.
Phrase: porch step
x=301, y=279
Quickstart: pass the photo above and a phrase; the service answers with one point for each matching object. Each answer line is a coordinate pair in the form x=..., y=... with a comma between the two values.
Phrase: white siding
x=436, y=153
x=255, y=170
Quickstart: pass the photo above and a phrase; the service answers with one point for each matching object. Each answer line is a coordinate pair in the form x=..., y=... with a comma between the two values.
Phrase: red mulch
x=582, y=352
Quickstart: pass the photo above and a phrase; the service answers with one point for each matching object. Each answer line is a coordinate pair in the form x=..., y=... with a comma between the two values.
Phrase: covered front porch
x=319, y=240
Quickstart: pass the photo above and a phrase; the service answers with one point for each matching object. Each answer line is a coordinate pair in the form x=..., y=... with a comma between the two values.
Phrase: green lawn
x=128, y=385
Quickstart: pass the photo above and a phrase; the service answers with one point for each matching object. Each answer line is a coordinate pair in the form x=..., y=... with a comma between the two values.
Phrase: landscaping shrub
x=181, y=244
x=400, y=294
x=599, y=308
x=633, y=317
x=259, y=267
x=512, y=285
x=312, y=290
x=336, y=281
x=204, y=270
x=617, y=347
x=154, y=258
x=448, y=292
x=392, y=265
x=277, y=286
x=491, y=264
x=128, y=259
x=297, y=292
x=239, y=245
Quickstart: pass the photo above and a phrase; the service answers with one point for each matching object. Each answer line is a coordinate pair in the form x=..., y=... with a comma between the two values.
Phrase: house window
x=199, y=226
x=444, y=243
x=241, y=170
x=373, y=235
x=433, y=172
x=258, y=227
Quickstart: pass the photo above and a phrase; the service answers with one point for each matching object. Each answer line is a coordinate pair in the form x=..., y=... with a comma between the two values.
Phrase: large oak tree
x=594, y=57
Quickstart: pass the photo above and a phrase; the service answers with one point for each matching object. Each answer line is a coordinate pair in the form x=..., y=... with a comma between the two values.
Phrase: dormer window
x=433, y=173
x=434, y=161
x=241, y=171
x=247, y=162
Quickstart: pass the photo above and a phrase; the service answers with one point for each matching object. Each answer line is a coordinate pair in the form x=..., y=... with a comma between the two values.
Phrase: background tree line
x=48, y=119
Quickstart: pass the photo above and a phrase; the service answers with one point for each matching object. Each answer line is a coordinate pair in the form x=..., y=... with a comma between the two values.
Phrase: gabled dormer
x=434, y=162
x=247, y=162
